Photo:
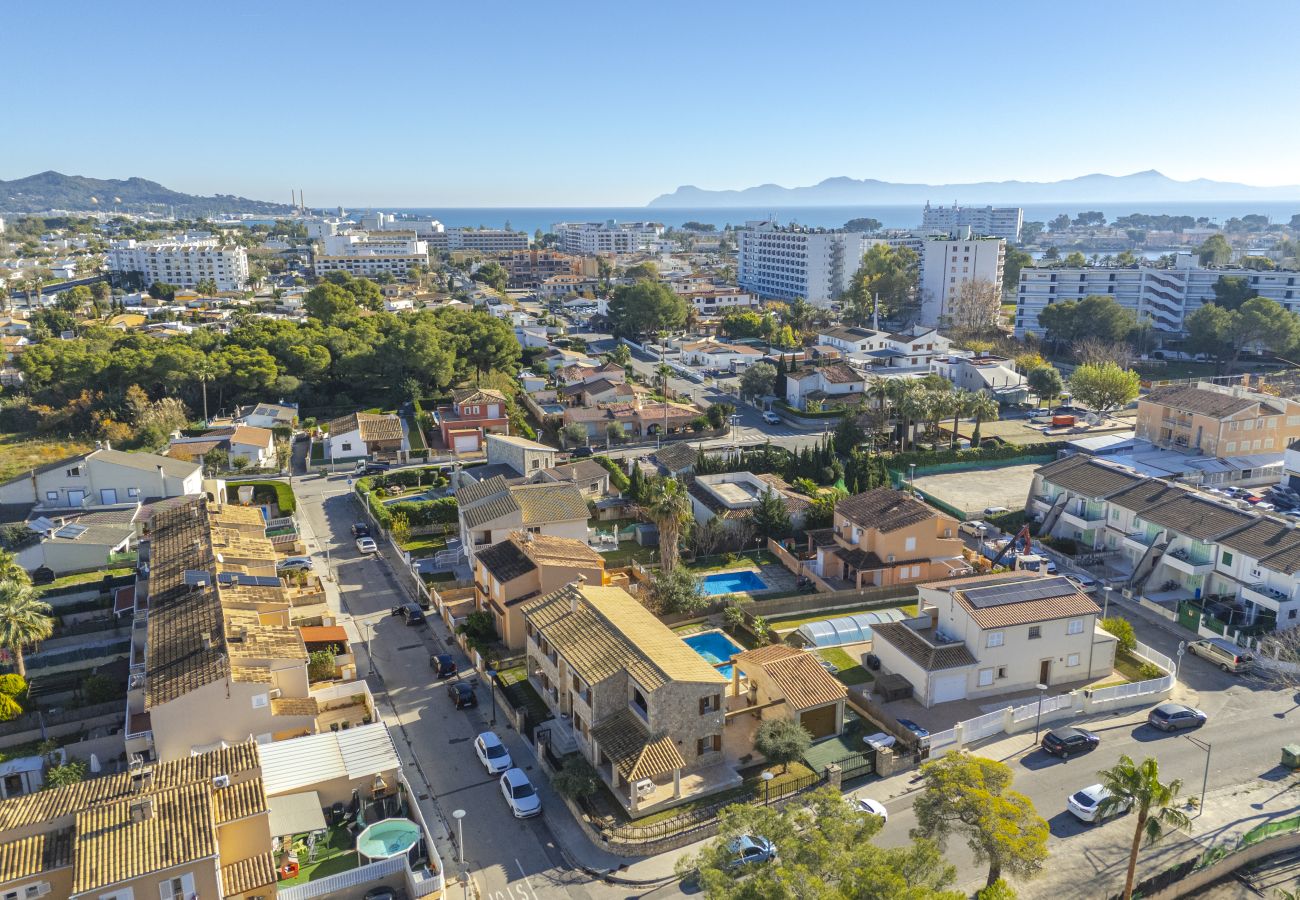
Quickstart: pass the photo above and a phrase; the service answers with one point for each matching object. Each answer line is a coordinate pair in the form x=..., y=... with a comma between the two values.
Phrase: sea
x=531, y=218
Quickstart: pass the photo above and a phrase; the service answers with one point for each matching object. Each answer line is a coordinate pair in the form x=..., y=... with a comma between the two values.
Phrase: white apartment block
x=182, y=263
x=946, y=265
x=485, y=240
x=606, y=237
x=715, y=300
x=783, y=263
x=367, y=255
x=319, y=229
x=1162, y=297
x=423, y=228
x=1004, y=222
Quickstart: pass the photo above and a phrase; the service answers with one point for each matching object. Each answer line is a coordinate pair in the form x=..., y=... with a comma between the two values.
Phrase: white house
x=269, y=415
x=827, y=384
x=992, y=375
x=362, y=434
x=491, y=510
x=103, y=477
x=712, y=354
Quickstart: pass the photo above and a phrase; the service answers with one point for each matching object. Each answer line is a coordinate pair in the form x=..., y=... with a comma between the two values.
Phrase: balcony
x=1265, y=596
x=1189, y=562
x=1084, y=516
x=1139, y=540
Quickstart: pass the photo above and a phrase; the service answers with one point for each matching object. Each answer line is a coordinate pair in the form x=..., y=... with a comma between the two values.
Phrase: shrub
x=72, y=772
x=677, y=591
x=1150, y=671
x=420, y=513
x=782, y=741
x=99, y=688
x=998, y=890
x=617, y=476
x=1122, y=629
x=576, y=777
x=320, y=664
x=732, y=618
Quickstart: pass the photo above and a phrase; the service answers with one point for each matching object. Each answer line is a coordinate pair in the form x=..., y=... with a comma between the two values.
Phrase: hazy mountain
x=54, y=190
x=842, y=191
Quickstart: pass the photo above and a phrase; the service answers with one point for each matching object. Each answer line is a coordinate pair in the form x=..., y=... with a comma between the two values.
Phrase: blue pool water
x=715, y=647
x=732, y=583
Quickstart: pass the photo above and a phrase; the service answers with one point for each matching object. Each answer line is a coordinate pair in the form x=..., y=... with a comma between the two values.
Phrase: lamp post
x=492, y=689
x=911, y=478
x=1042, y=689
x=1106, y=609
x=1205, y=779
x=767, y=787
x=459, y=816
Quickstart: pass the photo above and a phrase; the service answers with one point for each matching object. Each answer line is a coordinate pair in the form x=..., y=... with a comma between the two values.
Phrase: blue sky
x=504, y=103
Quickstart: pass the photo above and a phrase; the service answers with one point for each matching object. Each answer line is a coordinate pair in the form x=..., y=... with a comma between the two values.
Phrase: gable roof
x=371, y=426
x=473, y=493
x=800, y=677
x=920, y=651
x=506, y=560
x=884, y=509
x=515, y=441
x=996, y=605
x=676, y=457
x=477, y=395
x=625, y=740
x=1088, y=477
x=839, y=373
x=1195, y=399
x=1262, y=538
x=548, y=503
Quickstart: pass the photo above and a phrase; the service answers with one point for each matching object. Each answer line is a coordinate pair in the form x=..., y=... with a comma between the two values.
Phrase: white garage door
x=949, y=687
x=466, y=443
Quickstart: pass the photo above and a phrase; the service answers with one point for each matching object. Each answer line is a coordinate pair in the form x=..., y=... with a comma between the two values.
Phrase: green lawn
x=1130, y=667
x=714, y=563
x=277, y=492
x=520, y=693
x=627, y=553
x=789, y=623
x=425, y=545
x=334, y=855
x=752, y=789
x=82, y=578
x=850, y=671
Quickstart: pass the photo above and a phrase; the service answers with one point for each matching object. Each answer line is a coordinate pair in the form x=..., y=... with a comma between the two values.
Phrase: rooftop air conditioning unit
x=221, y=781
x=274, y=693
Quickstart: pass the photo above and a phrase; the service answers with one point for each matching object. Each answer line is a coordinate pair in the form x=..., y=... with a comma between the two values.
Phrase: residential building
x=1217, y=420
x=1162, y=297
x=732, y=497
x=996, y=634
x=523, y=456
x=1291, y=466
x=369, y=255
x=644, y=708
x=567, y=285
x=183, y=263
x=783, y=682
x=587, y=475
x=985, y=374
x=77, y=540
x=716, y=300
x=715, y=354
x=479, y=240
x=783, y=263
x=1068, y=497
x=913, y=348
x=473, y=414
x=387, y=222
x=524, y=566
x=590, y=238
x=104, y=477
x=529, y=268
x=636, y=418
x=362, y=435
x=600, y=390
x=269, y=415
x=826, y=385
x=999, y=222
x=947, y=265
x=849, y=340
x=885, y=537
x=256, y=446
x=491, y=510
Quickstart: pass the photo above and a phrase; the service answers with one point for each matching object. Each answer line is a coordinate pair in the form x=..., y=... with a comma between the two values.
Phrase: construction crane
x=1022, y=534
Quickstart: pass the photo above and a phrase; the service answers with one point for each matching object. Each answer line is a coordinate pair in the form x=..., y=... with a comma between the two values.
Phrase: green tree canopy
x=891, y=273
x=771, y=518
x=782, y=741
x=1045, y=382
x=1104, y=386
x=1096, y=316
x=758, y=379
x=328, y=302
x=1216, y=251
x=1230, y=291
x=1224, y=334
x=644, y=308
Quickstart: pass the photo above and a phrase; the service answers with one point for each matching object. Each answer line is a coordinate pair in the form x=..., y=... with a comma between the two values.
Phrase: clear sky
x=501, y=103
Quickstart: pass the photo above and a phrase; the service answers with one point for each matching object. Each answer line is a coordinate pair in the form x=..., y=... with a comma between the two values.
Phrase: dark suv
x=1065, y=742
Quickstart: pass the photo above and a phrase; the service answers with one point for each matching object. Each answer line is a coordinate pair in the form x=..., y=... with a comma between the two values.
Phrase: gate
x=1189, y=615
x=857, y=765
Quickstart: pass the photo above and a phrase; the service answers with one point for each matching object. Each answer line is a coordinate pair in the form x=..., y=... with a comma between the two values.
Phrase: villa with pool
x=732, y=496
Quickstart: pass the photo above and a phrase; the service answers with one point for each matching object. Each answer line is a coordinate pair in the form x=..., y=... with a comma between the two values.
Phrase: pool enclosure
x=852, y=629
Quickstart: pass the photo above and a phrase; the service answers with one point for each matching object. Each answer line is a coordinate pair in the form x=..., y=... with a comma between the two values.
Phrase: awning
x=324, y=634
x=295, y=813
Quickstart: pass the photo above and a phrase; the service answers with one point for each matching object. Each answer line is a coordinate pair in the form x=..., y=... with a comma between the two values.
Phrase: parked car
x=874, y=807
x=974, y=528
x=520, y=794
x=1224, y=654
x=442, y=665
x=380, y=893
x=1087, y=584
x=492, y=753
x=1086, y=804
x=579, y=452
x=294, y=564
x=913, y=727
x=410, y=612
x=462, y=695
x=367, y=545
x=1066, y=742
x=771, y=418
x=1173, y=716
x=360, y=530
x=751, y=848
x=990, y=511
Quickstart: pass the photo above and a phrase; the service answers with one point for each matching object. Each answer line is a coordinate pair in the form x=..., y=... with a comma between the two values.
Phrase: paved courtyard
x=976, y=490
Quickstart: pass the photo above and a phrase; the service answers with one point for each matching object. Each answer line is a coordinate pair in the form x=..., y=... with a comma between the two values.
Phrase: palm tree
x=664, y=372
x=669, y=507
x=911, y=407
x=878, y=391
x=24, y=619
x=961, y=406
x=982, y=408
x=205, y=371
x=10, y=570
x=1138, y=786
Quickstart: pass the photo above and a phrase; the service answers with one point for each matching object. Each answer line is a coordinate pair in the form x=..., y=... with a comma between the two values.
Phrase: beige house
x=106, y=477
x=525, y=566
x=631, y=696
x=493, y=509
x=524, y=456
x=885, y=537
x=1216, y=420
x=789, y=683
x=996, y=634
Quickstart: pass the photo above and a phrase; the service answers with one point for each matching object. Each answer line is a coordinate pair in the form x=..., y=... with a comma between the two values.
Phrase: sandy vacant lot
x=974, y=491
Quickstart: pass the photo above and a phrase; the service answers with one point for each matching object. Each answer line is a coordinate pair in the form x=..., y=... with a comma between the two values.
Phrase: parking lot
x=973, y=491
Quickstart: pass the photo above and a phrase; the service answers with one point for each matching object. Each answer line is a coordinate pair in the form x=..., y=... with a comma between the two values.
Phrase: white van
x=1224, y=654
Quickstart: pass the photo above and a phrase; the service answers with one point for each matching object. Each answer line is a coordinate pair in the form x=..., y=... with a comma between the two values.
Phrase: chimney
x=573, y=598
x=142, y=810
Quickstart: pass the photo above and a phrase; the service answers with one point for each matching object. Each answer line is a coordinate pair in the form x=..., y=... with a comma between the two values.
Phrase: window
x=1075, y=626
x=710, y=703
x=178, y=888
x=1035, y=632
x=1002, y=671
x=916, y=571
x=1226, y=558
x=986, y=677
x=909, y=544
x=1072, y=660
x=133, y=492
x=261, y=700
x=346, y=447
x=995, y=639
x=52, y=495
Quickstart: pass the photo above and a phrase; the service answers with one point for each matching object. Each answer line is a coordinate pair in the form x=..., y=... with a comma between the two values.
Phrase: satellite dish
x=95, y=767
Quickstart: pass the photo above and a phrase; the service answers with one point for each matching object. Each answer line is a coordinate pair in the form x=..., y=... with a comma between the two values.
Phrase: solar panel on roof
x=1020, y=592
x=71, y=532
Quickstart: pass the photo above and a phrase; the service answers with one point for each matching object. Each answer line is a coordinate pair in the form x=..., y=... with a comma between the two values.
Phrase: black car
x=462, y=695
x=360, y=530
x=410, y=612
x=1065, y=742
x=582, y=451
x=442, y=664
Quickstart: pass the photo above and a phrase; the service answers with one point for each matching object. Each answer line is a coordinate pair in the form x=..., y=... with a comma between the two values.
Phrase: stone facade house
x=785, y=682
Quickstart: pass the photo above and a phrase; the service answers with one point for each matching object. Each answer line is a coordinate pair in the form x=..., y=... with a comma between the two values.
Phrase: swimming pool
x=715, y=647
x=732, y=583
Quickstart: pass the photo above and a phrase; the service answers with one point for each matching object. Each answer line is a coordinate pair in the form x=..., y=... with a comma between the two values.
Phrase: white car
x=367, y=545
x=874, y=807
x=974, y=527
x=492, y=753
x=1086, y=804
x=520, y=794
x=771, y=418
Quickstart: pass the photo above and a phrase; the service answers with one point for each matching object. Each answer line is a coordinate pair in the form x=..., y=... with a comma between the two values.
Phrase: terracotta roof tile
x=884, y=509
x=801, y=679
x=248, y=875
x=624, y=738
x=921, y=651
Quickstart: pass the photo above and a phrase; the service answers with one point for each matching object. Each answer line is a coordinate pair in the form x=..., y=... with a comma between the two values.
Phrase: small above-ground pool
x=715, y=647
x=388, y=838
x=733, y=583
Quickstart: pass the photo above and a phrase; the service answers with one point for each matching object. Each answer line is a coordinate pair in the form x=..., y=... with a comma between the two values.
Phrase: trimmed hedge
x=922, y=458
x=276, y=492
x=836, y=413
x=617, y=476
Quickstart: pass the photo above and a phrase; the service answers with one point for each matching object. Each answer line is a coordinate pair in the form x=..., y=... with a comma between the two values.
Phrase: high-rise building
x=482, y=240
x=783, y=263
x=367, y=255
x=184, y=262
x=1003, y=222
x=1162, y=297
x=947, y=264
x=606, y=237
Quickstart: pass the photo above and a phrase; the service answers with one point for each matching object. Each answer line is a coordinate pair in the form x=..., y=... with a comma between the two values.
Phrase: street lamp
x=1205, y=779
x=459, y=816
x=1106, y=609
x=1042, y=689
x=492, y=679
x=767, y=787
x=911, y=478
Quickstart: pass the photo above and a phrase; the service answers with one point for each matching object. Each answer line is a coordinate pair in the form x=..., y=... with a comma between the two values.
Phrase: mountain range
x=54, y=190
x=843, y=191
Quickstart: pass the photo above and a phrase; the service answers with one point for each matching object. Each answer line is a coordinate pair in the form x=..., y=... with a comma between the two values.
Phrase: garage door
x=819, y=722
x=949, y=687
x=466, y=443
